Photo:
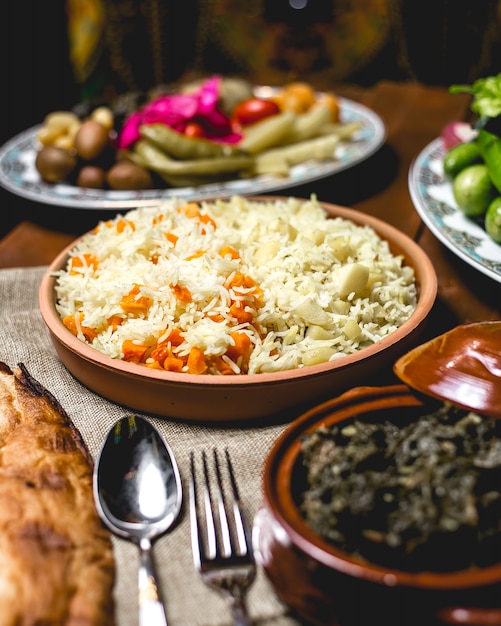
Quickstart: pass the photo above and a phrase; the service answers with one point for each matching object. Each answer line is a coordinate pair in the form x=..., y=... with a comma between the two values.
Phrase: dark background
x=37, y=77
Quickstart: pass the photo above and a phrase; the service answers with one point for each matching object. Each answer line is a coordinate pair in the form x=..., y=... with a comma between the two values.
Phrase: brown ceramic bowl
x=246, y=397
x=325, y=585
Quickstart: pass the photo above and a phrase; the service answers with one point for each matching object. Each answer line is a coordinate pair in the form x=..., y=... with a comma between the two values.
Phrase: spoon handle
x=151, y=609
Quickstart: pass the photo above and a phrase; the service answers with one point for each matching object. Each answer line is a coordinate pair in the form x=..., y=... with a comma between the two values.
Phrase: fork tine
x=196, y=535
x=223, y=516
x=224, y=566
x=212, y=535
x=240, y=525
x=212, y=540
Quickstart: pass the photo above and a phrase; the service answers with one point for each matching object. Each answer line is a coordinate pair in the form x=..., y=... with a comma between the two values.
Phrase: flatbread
x=56, y=558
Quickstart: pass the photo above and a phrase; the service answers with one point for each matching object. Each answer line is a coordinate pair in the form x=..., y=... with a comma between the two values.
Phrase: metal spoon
x=138, y=494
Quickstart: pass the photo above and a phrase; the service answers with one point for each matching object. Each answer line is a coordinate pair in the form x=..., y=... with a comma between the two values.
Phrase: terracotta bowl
x=246, y=397
x=325, y=585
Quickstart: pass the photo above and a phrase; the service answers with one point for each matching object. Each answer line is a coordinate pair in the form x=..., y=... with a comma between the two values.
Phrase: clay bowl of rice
x=381, y=506
x=235, y=309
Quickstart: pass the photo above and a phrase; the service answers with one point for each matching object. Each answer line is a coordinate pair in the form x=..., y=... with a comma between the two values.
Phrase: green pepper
x=149, y=156
x=180, y=146
x=490, y=149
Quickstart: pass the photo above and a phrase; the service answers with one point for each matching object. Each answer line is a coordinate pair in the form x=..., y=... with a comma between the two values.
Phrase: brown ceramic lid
x=461, y=366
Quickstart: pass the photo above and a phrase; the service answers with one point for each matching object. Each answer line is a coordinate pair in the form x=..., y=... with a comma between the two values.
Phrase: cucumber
x=492, y=220
x=473, y=190
x=459, y=157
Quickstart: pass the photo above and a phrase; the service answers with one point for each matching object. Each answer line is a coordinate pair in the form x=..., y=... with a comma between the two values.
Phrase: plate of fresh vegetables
x=455, y=181
x=210, y=139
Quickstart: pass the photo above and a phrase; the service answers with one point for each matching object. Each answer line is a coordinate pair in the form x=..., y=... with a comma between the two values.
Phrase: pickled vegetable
x=202, y=127
x=180, y=146
x=254, y=110
x=268, y=132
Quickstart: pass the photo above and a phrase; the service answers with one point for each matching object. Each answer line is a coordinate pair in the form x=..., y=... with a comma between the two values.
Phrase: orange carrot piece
x=239, y=280
x=89, y=333
x=196, y=255
x=70, y=323
x=240, y=314
x=216, y=318
x=196, y=361
x=133, y=352
x=115, y=321
x=229, y=251
x=174, y=337
x=84, y=260
x=154, y=365
x=172, y=238
x=183, y=294
x=122, y=225
x=173, y=364
x=242, y=346
x=221, y=366
x=161, y=352
x=74, y=323
x=131, y=303
x=206, y=219
x=191, y=209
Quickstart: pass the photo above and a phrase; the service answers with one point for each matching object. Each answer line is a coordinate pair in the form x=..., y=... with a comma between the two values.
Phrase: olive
x=459, y=157
x=91, y=140
x=55, y=164
x=128, y=175
x=473, y=190
x=492, y=220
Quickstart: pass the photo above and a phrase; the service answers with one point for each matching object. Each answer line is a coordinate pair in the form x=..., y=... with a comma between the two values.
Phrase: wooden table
x=414, y=115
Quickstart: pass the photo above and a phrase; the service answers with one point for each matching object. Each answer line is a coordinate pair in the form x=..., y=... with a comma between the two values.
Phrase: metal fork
x=223, y=553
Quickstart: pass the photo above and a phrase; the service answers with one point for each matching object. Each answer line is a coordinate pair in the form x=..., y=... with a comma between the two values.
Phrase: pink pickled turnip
x=455, y=133
x=181, y=110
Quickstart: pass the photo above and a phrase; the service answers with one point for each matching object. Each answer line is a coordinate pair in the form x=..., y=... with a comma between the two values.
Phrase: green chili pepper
x=180, y=146
x=149, y=156
x=146, y=153
x=490, y=149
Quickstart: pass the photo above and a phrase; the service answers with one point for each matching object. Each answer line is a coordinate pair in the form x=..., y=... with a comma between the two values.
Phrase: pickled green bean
x=180, y=146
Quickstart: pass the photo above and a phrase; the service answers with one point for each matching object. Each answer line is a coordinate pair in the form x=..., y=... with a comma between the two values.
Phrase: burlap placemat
x=25, y=339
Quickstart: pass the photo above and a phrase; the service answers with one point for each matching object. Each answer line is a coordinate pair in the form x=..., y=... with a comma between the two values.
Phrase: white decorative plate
x=434, y=201
x=19, y=175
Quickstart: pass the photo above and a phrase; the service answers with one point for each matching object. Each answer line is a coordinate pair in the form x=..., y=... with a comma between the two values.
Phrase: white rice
x=293, y=251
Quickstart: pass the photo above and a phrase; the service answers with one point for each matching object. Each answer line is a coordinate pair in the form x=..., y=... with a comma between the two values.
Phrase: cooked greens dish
x=419, y=494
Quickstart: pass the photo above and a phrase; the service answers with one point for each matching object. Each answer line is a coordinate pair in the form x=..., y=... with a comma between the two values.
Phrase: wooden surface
x=414, y=115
